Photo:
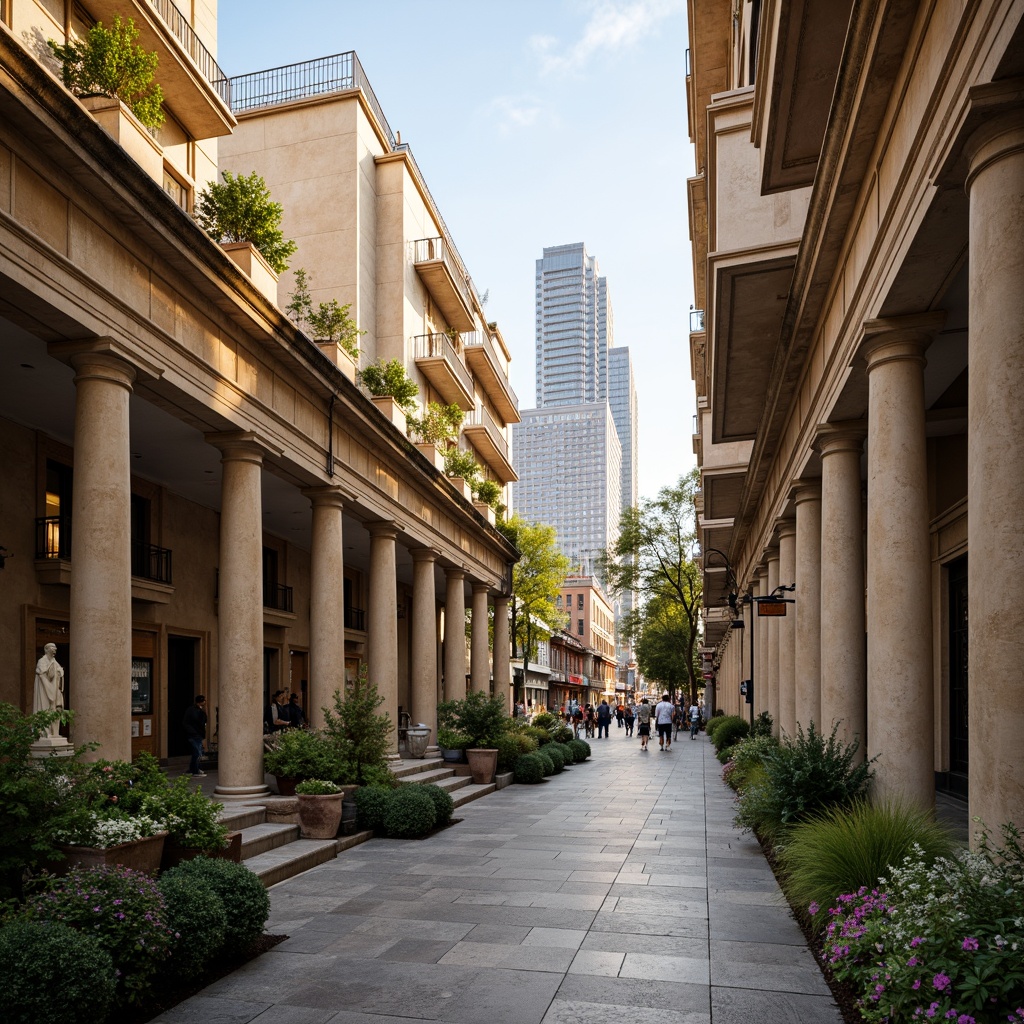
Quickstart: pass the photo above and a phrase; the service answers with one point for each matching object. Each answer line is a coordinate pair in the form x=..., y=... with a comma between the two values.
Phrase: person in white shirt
x=663, y=711
x=643, y=722
x=694, y=721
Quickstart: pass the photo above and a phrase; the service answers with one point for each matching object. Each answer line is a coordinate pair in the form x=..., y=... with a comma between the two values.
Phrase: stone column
x=772, y=661
x=326, y=602
x=900, y=687
x=479, y=666
x=995, y=467
x=761, y=702
x=455, y=635
x=240, y=618
x=843, y=654
x=424, y=641
x=808, y=605
x=101, y=575
x=382, y=624
x=502, y=657
x=787, y=631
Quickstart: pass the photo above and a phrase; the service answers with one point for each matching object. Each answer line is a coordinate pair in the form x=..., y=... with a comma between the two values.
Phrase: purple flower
x=814, y=908
x=964, y=1019
x=916, y=985
x=915, y=942
x=941, y=982
x=970, y=943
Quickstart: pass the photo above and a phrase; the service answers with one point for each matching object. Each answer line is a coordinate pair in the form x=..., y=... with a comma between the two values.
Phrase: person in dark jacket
x=296, y=716
x=604, y=717
x=194, y=724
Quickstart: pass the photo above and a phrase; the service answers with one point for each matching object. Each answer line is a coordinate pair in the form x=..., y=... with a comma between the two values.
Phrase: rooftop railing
x=201, y=56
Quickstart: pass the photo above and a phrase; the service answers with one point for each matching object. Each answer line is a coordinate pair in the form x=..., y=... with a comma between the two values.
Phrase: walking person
x=628, y=718
x=620, y=715
x=643, y=722
x=663, y=712
x=194, y=724
x=694, y=720
x=604, y=718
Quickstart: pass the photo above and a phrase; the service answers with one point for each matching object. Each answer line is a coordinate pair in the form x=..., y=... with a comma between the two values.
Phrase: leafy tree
x=108, y=61
x=389, y=379
x=328, y=322
x=652, y=557
x=241, y=210
x=661, y=632
x=537, y=579
x=359, y=733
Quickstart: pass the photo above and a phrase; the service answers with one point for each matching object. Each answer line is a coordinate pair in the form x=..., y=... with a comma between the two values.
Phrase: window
x=579, y=626
x=579, y=602
x=558, y=601
x=568, y=600
x=174, y=188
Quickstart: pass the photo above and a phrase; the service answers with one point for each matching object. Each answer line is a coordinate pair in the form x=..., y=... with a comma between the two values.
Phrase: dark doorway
x=182, y=687
x=958, y=663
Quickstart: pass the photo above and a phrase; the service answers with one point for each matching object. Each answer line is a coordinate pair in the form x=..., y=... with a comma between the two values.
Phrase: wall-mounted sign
x=142, y=686
x=771, y=607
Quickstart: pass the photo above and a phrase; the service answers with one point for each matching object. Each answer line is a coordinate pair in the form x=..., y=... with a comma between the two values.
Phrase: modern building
x=244, y=518
x=856, y=221
x=590, y=618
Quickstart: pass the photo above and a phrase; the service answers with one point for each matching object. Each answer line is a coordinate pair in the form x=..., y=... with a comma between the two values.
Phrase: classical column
x=995, y=464
x=772, y=661
x=101, y=576
x=382, y=623
x=761, y=702
x=455, y=635
x=787, y=631
x=479, y=665
x=326, y=602
x=424, y=641
x=900, y=706
x=807, y=662
x=844, y=697
x=502, y=681
x=240, y=618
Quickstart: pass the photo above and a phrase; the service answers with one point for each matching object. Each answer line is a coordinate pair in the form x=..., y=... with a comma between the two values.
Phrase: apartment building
x=244, y=518
x=856, y=223
x=591, y=620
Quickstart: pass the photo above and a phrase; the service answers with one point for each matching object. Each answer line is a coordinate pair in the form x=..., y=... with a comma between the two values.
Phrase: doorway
x=182, y=686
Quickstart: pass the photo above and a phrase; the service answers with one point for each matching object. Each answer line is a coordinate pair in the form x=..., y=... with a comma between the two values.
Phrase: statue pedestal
x=51, y=746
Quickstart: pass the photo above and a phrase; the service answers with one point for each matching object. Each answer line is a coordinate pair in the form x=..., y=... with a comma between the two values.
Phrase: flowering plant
x=104, y=831
x=944, y=942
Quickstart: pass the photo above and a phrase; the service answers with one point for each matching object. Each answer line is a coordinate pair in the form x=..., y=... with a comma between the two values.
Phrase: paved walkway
x=617, y=891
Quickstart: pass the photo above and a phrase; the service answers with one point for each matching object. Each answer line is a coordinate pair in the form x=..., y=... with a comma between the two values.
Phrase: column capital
x=485, y=587
x=785, y=528
x=844, y=436
x=501, y=601
x=424, y=554
x=384, y=528
x=807, y=490
x=453, y=572
x=899, y=337
x=105, y=352
x=328, y=496
x=241, y=446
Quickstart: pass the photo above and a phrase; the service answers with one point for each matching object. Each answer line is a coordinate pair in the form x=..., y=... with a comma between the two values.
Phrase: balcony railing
x=201, y=56
x=491, y=368
x=53, y=537
x=482, y=418
x=428, y=254
x=278, y=597
x=441, y=347
x=355, y=618
x=151, y=563
x=696, y=321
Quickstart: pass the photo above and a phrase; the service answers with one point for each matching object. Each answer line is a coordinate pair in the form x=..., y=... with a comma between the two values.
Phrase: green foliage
x=246, y=902
x=450, y=739
x=438, y=425
x=328, y=322
x=410, y=813
x=802, y=777
x=661, y=632
x=317, y=787
x=747, y=758
x=728, y=731
x=196, y=916
x=580, y=749
x=444, y=806
x=54, y=974
x=389, y=379
x=545, y=720
x=489, y=492
x=555, y=753
x=303, y=754
x=716, y=720
x=511, y=747
x=540, y=734
x=108, y=61
x=190, y=817
x=546, y=761
x=241, y=210
x=844, y=848
x=762, y=725
x=358, y=733
x=458, y=462
x=371, y=804
x=123, y=909
x=529, y=769
x=478, y=715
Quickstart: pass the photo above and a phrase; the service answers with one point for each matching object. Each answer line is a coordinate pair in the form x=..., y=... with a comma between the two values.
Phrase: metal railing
x=485, y=340
x=434, y=346
x=278, y=597
x=53, y=537
x=696, y=321
x=482, y=418
x=201, y=56
x=151, y=563
x=355, y=618
x=426, y=250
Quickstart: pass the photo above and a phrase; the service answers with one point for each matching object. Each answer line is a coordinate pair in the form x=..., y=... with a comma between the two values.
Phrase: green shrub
x=580, y=750
x=763, y=725
x=529, y=769
x=803, y=777
x=842, y=849
x=302, y=754
x=371, y=804
x=538, y=733
x=545, y=720
x=246, y=902
x=478, y=715
x=317, y=787
x=122, y=909
x=359, y=734
x=389, y=379
x=728, y=731
x=54, y=974
x=747, y=757
x=511, y=747
x=410, y=813
x=458, y=462
x=328, y=322
x=196, y=915
x=546, y=761
x=190, y=817
x=444, y=806
x=556, y=753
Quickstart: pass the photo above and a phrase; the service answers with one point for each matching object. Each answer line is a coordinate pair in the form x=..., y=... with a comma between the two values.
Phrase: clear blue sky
x=535, y=122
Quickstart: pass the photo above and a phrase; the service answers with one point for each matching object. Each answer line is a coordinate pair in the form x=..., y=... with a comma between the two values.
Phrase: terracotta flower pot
x=483, y=763
x=319, y=816
x=139, y=855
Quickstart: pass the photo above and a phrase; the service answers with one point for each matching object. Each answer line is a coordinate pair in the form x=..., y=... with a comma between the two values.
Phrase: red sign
x=771, y=608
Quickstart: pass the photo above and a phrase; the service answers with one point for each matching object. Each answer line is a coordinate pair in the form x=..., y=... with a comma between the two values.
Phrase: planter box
x=339, y=357
x=140, y=855
x=483, y=763
x=175, y=854
x=320, y=816
x=485, y=510
x=128, y=132
x=433, y=454
x=391, y=410
x=462, y=486
x=250, y=261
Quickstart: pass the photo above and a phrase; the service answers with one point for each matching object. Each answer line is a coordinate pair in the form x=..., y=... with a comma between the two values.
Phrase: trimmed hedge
x=444, y=806
x=372, y=803
x=546, y=761
x=580, y=750
x=728, y=731
x=529, y=769
x=557, y=755
x=410, y=813
x=196, y=914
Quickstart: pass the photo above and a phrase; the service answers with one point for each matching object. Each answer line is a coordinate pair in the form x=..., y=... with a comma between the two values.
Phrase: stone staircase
x=273, y=849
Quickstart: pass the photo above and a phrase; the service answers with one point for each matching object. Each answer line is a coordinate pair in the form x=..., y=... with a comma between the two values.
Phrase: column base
x=432, y=752
x=240, y=793
x=394, y=757
x=51, y=746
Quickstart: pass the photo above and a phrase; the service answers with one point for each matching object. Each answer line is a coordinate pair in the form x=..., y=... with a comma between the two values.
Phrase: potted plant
x=193, y=826
x=452, y=745
x=391, y=389
x=483, y=719
x=298, y=754
x=462, y=469
x=359, y=735
x=436, y=430
x=319, y=808
x=488, y=496
x=135, y=842
x=332, y=329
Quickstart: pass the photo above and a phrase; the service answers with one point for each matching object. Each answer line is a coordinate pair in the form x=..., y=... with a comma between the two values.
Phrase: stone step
x=431, y=775
x=412, y=766
x=239, y=817
x=257, y=839
x=472, y=792
x=456, y=782
x=292, y=859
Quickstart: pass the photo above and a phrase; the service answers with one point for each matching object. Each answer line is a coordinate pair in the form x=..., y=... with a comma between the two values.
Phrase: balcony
x=278, y=597
x=151, y=563
x=491, y=370
x=485, y=435
x=355, y=618
x=53, y=538
x=195, y=87
x=438, y=360
x=442, y=274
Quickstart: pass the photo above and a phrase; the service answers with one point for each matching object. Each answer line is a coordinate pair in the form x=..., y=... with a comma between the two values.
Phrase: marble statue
x=49, y=692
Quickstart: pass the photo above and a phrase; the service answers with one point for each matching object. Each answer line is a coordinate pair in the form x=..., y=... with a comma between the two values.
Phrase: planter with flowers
x=319, y=808
x=136, y=842
x=193, y=828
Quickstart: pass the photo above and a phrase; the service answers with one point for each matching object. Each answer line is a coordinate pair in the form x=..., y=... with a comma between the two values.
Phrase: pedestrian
x=577, y=720
x=604, y=718
x=663, y=712
x=628, y=718
x=694, y=720
x=194, y=724
x=296, y=716
x=275, y=717
x=643, y=722
x=678, y=719
x=620, y=715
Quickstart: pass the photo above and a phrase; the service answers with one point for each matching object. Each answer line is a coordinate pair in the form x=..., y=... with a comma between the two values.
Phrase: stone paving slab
x=585, y=900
